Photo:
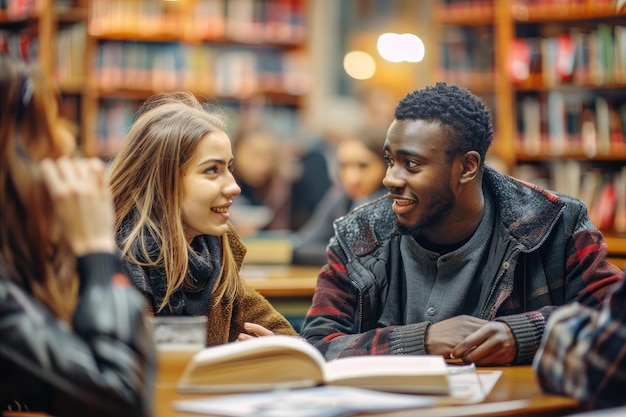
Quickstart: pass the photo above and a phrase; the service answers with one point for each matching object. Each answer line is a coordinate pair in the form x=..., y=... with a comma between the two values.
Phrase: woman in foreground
x=74, y=337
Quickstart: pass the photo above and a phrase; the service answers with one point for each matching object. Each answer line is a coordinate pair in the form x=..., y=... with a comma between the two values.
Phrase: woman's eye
x=211, y=170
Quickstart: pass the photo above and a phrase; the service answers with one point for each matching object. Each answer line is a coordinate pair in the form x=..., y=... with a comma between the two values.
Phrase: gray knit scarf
x=191, y=300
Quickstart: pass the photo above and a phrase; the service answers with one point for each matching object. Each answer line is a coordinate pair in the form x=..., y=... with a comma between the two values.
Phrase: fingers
x=81, y=202
x=253, y=330
x=443, y=336
x=492, y=344
x=66, y=175
x=257, y=330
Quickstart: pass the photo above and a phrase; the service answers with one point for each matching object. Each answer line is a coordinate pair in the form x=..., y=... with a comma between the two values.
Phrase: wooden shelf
x=469, y=14
x=74, y=14
x=546, y=156
x=139, y=93
x=559, y=13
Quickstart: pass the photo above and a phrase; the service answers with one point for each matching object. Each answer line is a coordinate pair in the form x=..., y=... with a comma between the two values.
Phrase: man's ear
x=471, y=166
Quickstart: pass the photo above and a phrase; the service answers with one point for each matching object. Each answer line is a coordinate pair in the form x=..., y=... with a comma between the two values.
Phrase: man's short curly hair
x=462, y=115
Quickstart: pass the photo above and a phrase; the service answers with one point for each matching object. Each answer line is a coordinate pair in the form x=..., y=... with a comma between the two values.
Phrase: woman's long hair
x=32, y=249
x=146, y=183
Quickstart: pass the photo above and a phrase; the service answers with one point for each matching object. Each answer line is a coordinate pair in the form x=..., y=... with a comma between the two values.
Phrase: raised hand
x=81, y=202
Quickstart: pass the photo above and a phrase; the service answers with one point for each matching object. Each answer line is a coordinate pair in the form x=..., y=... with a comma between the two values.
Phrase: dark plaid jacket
x=582, y=354
x=558, y=256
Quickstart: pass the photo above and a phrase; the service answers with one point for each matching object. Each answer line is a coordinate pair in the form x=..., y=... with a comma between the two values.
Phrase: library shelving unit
x=49, y=34
x=553, y=73
x=107, y=56
x=246, y=55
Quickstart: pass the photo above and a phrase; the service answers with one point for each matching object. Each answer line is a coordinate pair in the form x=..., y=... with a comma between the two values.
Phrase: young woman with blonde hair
x=172, y=186
x=74, y=337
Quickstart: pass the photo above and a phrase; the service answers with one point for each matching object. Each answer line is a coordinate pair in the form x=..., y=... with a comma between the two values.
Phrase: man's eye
x=388, y=161
x=411, y=164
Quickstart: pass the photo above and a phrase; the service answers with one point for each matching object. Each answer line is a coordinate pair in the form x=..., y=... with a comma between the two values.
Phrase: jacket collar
x=527, y=211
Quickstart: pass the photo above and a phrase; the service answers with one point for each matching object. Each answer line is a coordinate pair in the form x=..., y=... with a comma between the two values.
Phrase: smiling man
x=458, y=259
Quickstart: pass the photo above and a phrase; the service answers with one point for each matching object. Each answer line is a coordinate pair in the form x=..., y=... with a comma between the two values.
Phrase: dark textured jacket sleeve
x=587, y=279
x=332, y=323
x=103, y=366
x=582, y=353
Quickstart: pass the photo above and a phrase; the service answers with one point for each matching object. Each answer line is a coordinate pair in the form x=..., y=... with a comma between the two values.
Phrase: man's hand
x=446, y=335
x=492, y=344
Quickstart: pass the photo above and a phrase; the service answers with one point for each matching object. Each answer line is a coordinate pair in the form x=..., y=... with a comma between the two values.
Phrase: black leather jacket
x=103, y=366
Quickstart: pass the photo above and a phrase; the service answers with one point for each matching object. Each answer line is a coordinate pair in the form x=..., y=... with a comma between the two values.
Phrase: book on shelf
x=285, y=362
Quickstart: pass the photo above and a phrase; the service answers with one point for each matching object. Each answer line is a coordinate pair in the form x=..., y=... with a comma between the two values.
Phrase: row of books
x=603, y=190
x=572, y=124
x=19, y=9
x=23, y=45
x=115, y=116
x=467, y=55
x=254, y=21
x=593, y=57
x=203, y=68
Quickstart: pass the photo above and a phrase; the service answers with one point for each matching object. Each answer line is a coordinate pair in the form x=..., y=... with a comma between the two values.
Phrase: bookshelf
x=107, y=56
x=553, y=73
x=246, y=55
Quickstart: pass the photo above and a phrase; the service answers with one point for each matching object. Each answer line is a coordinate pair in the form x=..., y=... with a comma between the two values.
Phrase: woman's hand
x=82, y=203
x=253, y=330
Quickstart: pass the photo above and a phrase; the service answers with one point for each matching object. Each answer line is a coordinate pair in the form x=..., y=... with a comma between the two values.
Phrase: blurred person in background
x=74, y=336
x=361, y=168
x=317, y=163
x=264, y=171
x=173, y=189
x=371, y=106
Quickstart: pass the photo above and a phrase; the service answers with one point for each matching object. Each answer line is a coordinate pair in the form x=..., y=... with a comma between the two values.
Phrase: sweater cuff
x=527, y=330
x=409, y=339
x=97, y=268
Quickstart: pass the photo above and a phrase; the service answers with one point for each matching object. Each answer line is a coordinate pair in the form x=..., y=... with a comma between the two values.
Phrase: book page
x=423, y=374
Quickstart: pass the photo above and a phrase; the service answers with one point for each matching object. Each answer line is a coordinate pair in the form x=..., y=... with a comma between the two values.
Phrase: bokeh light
x=359, y=65
x=395, y=47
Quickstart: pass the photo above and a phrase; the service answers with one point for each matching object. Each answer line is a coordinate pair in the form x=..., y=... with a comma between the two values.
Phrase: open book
x=282, y=362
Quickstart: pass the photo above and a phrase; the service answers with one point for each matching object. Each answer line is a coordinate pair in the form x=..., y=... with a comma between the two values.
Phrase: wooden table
x=288, y=288
x=516, y=394
x=278, y=281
